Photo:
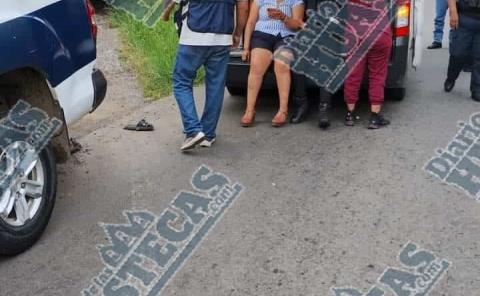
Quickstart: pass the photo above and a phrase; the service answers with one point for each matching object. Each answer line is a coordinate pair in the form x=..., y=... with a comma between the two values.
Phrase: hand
x=453, y=19
x=246, y=55
x=276, y=14
x=236, y=40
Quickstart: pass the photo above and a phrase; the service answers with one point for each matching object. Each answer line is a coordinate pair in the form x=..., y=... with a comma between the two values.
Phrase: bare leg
x=376, y=108
x=284, y=79
x=260, y=61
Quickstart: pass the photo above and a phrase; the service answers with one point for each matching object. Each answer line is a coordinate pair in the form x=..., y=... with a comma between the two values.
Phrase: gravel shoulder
x=123, y=95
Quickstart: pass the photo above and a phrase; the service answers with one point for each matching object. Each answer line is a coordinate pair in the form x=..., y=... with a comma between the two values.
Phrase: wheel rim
x=21, y=201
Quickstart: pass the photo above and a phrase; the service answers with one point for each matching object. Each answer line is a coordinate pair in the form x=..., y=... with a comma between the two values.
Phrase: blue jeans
x=465, y=46
x=189, y=60
x=441, y=7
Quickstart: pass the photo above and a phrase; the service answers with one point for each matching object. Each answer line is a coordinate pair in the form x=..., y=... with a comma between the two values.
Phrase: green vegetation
x=150, y=52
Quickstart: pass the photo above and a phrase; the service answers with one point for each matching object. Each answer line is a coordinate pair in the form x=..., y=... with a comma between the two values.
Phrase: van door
x=417, y=39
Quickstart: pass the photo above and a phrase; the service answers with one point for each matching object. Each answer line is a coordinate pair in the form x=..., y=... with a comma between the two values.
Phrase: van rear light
x=402, y=27
x=91, y=19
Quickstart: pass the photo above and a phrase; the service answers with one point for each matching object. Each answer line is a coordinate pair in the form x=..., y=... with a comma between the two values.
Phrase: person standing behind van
x=465, y=42
x=205, y=40
x=376, y=60
x=441, y=7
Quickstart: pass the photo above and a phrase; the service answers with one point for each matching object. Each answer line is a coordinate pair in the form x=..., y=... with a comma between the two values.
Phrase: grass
x=150, y=52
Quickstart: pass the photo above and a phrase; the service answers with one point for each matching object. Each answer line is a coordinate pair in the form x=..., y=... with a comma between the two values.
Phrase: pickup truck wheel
x=237, y=91
x=27, y=204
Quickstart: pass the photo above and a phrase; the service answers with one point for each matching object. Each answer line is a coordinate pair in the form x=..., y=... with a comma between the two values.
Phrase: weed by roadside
x=150, y=52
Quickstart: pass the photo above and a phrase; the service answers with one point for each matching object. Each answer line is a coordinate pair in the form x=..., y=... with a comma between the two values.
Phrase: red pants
x=377, y=61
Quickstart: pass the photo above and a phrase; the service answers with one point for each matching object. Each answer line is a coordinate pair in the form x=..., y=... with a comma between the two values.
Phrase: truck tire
x=17, y=234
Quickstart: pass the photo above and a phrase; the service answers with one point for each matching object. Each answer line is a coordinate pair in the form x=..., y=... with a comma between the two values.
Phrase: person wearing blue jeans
x=465, y=43
x=189, y=60
x=441, y=7
x=206, y=29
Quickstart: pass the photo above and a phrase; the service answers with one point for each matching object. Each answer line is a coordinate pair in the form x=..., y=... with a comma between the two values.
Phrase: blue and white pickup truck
x=47, y=58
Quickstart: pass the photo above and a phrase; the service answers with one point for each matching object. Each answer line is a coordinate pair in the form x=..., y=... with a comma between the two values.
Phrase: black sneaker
x=377, y=121
x=435, y=45
x=449, y=85
x=350, y=118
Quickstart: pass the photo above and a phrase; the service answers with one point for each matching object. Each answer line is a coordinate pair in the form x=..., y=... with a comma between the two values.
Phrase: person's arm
x=452, y=7
x=242, y=16
x=247, y=38
x=295, y=22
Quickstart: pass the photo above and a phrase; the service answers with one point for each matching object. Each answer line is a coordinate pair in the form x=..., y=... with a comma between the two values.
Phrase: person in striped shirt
x=263, y=36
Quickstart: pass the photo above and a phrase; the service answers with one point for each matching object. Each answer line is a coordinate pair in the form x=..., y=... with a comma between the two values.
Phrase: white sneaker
x=207, y=143
x=191, y=142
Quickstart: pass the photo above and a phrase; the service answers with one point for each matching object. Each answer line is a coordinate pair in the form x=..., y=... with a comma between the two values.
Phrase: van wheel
x=396, y=94
x=237, y=91
x=27, y=204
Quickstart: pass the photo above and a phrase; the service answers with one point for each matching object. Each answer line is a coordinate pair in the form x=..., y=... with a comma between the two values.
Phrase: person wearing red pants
x=376, y=59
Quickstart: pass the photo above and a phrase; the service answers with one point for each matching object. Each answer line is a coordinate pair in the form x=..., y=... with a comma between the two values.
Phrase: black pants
x=465, y=46
x=300, y=88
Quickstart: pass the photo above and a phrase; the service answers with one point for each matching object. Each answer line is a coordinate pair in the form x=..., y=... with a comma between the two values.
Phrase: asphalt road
x=319, y=209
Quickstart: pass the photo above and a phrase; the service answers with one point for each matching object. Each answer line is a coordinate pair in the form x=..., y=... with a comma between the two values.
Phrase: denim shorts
x=267, y=41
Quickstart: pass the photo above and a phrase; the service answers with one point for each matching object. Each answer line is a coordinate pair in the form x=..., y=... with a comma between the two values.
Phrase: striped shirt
x=274, y=27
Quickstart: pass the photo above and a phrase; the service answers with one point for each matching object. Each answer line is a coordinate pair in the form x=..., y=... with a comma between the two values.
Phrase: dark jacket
x=469, y=8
